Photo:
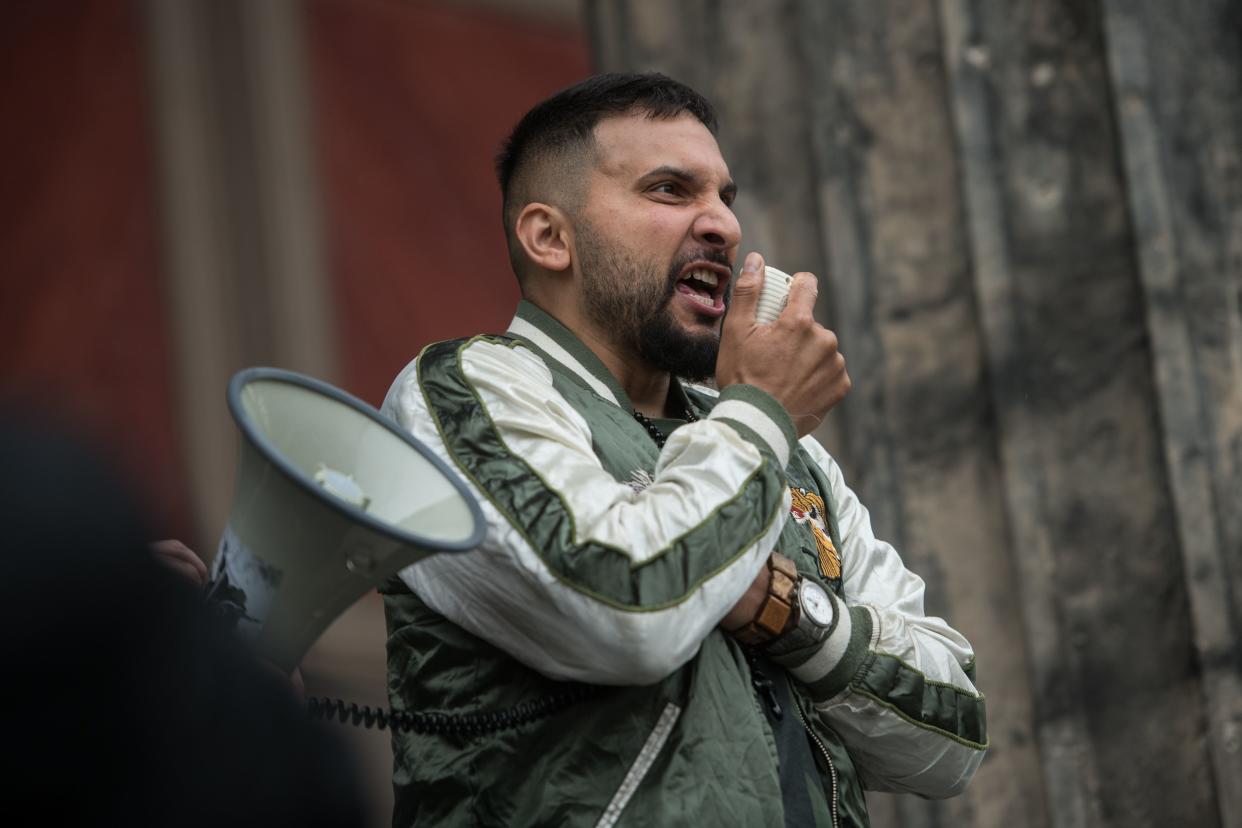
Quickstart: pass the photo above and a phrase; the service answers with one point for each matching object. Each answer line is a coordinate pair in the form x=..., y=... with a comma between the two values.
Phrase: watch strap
x=778, y=612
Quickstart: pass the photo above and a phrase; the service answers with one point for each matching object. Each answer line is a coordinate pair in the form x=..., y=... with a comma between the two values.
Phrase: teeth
x=703, y=300
x=706, y=277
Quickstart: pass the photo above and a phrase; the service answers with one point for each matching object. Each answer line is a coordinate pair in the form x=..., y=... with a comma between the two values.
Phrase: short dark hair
x=565, y=123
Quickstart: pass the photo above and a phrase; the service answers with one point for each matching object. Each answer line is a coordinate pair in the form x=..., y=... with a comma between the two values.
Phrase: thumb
x=746, y=292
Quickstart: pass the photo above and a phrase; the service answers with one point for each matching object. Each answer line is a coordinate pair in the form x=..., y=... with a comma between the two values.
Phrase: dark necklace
x=659, y=436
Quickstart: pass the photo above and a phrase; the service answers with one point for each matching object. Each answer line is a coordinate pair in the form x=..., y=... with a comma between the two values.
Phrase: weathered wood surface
x=1073, y=391
x=1070, y=775
x=919, y=439
x=1039, y=302
x=1178, y=95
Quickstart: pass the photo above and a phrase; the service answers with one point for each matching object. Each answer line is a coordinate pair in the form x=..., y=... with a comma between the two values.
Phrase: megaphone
x=331, y=499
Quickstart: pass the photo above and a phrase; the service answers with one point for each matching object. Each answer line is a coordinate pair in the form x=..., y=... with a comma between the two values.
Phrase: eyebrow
x=690, y=178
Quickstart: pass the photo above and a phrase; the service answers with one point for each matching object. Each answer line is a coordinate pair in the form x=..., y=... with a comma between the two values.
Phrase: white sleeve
x=583, y=576
x=892, y=681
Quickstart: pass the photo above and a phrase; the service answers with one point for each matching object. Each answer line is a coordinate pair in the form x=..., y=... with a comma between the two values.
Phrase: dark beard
x=666, y=346
x=627, y=298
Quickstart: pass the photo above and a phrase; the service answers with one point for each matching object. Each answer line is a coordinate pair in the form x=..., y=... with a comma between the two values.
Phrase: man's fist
x=795, y=359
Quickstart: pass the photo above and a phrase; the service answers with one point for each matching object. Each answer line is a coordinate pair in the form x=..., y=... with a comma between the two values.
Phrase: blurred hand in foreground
x=185, y=562
x=181, y=559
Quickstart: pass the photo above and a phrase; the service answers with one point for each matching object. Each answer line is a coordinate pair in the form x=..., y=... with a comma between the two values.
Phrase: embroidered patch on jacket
x=640, y=479
x=808, y=509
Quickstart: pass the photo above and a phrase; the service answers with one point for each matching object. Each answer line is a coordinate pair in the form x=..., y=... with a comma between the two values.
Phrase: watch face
x=816, y=603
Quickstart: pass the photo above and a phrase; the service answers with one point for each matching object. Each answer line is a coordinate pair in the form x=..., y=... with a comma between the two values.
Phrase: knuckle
x=803, y=323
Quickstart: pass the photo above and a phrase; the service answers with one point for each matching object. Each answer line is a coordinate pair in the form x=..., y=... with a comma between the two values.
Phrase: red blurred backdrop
x=410, y=101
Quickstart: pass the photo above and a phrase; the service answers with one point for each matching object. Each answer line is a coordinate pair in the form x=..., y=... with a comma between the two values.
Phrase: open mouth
x=703, y=285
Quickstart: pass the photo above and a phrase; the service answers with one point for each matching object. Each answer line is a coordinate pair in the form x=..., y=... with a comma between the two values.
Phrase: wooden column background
x=1028, y=217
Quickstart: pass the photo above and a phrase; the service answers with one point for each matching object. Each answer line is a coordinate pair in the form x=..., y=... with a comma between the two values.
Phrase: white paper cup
x=774, y=296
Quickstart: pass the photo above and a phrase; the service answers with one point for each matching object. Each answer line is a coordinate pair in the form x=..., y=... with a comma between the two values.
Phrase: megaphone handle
x=468, y=724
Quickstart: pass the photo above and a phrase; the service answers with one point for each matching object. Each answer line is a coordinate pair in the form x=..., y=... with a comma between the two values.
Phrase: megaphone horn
x=331, y=499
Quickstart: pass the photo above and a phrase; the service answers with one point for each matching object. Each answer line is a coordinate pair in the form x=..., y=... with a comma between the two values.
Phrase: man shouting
x=680, y=614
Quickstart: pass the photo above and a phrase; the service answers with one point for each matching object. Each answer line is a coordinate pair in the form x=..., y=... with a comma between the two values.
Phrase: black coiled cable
x=466, y=724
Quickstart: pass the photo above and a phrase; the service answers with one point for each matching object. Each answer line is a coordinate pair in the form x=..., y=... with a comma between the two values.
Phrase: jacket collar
x=557, y=343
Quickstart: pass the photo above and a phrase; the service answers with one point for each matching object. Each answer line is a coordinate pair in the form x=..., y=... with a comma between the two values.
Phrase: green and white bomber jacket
x=608, y=563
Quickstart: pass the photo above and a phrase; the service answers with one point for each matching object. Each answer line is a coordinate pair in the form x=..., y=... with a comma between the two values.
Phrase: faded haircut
x=546, y=151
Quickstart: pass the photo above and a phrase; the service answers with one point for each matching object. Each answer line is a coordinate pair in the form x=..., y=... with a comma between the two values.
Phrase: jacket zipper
x=832, y=769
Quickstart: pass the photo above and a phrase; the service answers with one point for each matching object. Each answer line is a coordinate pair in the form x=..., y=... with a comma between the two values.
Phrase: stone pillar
x=246, y=280
x=1026, y=218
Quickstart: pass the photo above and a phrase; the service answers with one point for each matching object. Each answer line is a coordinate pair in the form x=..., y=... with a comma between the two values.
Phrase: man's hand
x=795, y=359
x=293, y=679
x=747, y=607
x=180, y=559
x=185, y=562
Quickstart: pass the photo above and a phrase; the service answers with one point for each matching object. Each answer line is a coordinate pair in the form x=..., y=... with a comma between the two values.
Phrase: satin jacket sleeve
x=580, y=575
x=895, y=684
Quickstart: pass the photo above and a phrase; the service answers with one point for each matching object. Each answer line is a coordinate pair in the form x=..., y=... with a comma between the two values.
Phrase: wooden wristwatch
x=777, y=612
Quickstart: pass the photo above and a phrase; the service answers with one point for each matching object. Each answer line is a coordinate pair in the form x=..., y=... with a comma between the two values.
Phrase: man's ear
x=544, y=233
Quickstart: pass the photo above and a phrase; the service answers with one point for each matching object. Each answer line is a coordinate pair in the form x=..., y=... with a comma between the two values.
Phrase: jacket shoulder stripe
x=547, y=521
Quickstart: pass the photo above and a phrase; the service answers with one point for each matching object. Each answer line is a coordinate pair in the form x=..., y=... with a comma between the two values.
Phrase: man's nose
x=717, y=227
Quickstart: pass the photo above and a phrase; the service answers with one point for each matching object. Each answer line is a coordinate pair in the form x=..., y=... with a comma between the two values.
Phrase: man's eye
x=666, y=187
